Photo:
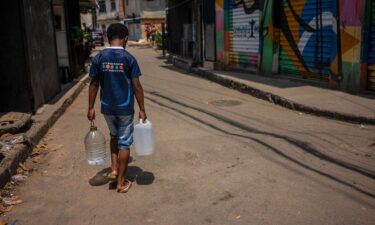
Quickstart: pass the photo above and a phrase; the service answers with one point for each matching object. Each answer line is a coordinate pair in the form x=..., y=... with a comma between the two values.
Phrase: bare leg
x=114, y=155
x=124, y=160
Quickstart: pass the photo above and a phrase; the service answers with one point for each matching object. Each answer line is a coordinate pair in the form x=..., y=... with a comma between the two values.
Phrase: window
x=102, y=8
x=113, y=5
x=127, y=2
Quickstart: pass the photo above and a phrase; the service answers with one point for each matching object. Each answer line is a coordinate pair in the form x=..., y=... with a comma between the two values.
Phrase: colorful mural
x=219, y=8
x=350, y=34
x=308, y=41
x=329, y=40
x=368, y=49
x=237, y=30
x=268, y=44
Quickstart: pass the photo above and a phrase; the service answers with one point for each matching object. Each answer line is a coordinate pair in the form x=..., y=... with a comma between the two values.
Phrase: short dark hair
x=117, y=31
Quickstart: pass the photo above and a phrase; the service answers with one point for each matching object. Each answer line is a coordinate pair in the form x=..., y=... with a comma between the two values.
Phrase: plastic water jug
x=95, y=146
x=144, y=138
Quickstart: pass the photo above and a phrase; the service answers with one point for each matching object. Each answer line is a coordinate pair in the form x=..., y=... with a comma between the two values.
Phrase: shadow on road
x=304, y=146
x=134, y=174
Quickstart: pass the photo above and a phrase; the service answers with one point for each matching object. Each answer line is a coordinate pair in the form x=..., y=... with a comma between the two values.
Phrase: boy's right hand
x=142, y=115
x=91, y=114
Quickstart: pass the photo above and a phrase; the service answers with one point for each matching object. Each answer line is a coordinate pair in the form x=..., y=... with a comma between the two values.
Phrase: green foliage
x=77, y=32
x=159, y=40
x=86, y=34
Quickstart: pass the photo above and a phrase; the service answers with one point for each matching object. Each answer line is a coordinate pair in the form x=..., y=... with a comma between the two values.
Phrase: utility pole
x=93, y=14
x=163, y=37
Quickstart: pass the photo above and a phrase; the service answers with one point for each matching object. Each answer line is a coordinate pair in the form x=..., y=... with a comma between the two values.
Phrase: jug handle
x=141, y=121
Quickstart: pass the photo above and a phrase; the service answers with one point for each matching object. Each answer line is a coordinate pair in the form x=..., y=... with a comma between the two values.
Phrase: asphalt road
x=222, y=157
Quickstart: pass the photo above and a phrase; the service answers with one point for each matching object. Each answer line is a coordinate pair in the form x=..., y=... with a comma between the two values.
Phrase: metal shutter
x=306, y=38
x=244, y=35
x=371, y=53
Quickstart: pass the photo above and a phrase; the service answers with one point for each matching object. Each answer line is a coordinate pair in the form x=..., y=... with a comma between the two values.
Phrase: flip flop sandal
x=112, y=176
x=126, y=188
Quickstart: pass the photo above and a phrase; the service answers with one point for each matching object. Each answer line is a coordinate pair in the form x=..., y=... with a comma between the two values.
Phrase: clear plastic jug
x=95, y=146
x=144, y=138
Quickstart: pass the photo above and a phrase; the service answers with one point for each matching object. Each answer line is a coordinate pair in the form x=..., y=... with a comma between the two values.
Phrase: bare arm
x=93, y=91
x=138, y=92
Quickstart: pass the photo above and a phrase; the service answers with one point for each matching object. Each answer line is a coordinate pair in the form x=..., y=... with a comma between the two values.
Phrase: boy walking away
x=117, y=73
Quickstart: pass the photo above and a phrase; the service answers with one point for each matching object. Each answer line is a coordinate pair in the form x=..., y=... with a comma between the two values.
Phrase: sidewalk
x=299, y=96
x=44, y=119
x=295, y=95
x=138, y=44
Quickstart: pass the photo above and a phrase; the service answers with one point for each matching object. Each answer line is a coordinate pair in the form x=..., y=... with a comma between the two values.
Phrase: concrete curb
x=40, y=126
x=273, y=98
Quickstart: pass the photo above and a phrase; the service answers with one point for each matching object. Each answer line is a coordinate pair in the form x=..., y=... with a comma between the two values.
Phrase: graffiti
x=240, y=32
x=304, y=38
x=308, y=39
x=245, y=31
x=252, y=23
x=249, y=6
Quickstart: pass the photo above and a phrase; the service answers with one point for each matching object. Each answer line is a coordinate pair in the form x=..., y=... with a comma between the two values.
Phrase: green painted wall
x=267, y=48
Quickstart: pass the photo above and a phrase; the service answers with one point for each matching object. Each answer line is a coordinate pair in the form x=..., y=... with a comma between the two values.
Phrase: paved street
x=222, y=157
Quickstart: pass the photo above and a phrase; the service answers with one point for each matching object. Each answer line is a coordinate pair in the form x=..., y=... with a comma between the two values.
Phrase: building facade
x=331, y=41
x=191, y=30
x=38, y=40
x=325, y=40
x=142, y=13
x=108, y=12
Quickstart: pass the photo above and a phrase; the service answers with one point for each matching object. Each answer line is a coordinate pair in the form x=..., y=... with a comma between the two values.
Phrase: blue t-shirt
x=114, y=68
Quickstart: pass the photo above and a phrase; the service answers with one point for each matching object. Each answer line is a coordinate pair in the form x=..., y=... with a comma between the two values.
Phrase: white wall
x=109, y=14
x=145, y=9
x=133, y=7
x=87, y=19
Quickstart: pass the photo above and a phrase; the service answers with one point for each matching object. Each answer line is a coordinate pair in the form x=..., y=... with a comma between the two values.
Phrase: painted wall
x=268, y=45
x=308, y=40
x=219, y=7
x=350, y=32
x=238, y=33
x=326, y=40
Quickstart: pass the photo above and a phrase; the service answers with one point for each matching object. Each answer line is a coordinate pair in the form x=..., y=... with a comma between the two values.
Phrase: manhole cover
x=225, y=102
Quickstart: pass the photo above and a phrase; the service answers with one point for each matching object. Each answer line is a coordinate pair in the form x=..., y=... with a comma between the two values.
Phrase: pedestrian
x=148, y=33
x=153, y=34
x=116, y=72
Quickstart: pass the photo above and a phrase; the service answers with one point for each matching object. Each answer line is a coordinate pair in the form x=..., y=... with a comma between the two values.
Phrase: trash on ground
x=2, y=222
x=5, y=209
x=6, y=135
x=7, y=142
x=19, y=178
x=41, y=146
x=23, y=167
x=36, y=159
x=14, y=200
x=5, y=148
x=362, y=126
x=16, y=139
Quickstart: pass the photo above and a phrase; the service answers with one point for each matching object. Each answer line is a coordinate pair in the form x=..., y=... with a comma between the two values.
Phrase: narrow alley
x=222, y=157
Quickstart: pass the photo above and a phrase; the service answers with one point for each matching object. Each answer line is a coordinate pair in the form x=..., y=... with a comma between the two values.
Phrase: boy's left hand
x=143, y=116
